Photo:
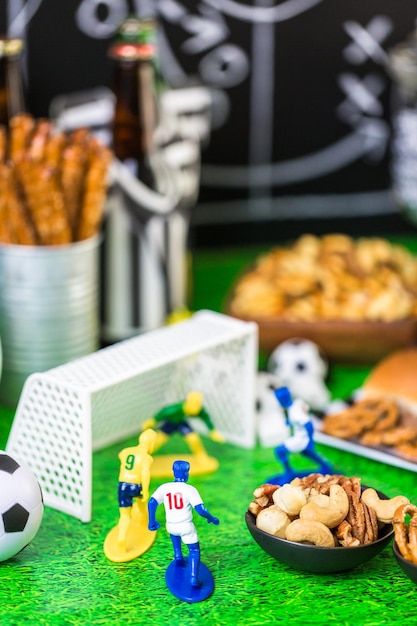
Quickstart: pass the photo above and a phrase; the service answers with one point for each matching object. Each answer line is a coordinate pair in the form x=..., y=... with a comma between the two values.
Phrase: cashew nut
x=309, y=531
x=332, y=514
x=319, y=498
x=384, y=509
x=273, y=521
x=290, y=499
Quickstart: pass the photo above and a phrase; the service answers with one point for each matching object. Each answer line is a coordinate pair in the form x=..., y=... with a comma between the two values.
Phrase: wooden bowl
x=344, y=341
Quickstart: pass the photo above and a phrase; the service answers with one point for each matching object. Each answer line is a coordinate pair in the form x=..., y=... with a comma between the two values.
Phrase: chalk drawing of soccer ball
x=21, y=506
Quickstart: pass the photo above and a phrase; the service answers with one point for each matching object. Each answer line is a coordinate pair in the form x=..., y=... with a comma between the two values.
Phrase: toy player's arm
x=309, y=429
x=201, y=510
x=152, y=506
x=214, y=434
x=146, y=477
x=172, y=413
x=283, y=395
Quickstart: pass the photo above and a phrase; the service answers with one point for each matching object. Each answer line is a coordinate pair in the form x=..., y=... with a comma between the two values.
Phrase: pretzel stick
x=54, y=148
x=21, y=128
x=37, y=147
x=58, y=230
x=5, y=231
x=73, y=172
x=20, y=224
x=95, y=191
x=3, y=144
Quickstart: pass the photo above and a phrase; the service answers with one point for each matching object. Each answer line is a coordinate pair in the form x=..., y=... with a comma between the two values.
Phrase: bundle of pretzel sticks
x=52, y=184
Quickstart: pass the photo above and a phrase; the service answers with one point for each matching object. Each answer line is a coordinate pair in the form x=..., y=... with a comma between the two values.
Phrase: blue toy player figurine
x=187, y=578
x=300, y=439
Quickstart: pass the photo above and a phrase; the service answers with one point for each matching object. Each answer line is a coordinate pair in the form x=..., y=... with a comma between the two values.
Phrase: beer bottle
x=134, y=59
x=12, y=100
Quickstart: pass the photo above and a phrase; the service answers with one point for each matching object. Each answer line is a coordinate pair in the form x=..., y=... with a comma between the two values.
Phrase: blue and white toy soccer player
x=187, y=578
x=300, y=440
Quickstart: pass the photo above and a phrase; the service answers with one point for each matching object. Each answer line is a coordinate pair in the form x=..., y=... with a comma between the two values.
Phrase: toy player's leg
x=324, y=466
x=176, y=544
x=124, y=521
x=160, y=439
x=126, y=493
x=195, y=444
x=282, y=455
x=194, y=560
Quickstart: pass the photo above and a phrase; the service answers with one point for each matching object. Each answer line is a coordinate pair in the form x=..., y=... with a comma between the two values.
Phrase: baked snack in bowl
x=334, y=529
x=357, y=299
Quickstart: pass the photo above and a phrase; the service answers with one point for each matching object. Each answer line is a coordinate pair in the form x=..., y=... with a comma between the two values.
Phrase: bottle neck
x=12, y=98
x=136, y=115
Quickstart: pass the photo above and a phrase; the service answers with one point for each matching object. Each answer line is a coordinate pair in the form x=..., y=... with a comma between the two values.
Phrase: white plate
x=376, y=454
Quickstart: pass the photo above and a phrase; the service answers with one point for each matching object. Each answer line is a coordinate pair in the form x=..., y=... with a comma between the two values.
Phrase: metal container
x=49, y=309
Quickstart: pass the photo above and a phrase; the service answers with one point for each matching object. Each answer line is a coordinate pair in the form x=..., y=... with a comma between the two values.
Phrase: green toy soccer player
x=174, y=418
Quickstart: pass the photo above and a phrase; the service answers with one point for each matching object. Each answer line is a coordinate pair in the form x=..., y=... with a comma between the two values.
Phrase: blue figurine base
x=177, y=578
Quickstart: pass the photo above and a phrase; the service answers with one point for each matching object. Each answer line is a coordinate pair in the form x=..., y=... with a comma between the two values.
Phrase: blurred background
x=300, y=101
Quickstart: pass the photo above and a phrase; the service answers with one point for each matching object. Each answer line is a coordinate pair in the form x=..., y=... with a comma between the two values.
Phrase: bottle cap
x=10, y=47
x=402, y=63
x=132, y=51
x=137, y=30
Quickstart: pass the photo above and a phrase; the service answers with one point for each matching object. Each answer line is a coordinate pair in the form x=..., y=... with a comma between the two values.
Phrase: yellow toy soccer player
x=174, y=418
x=134, y=479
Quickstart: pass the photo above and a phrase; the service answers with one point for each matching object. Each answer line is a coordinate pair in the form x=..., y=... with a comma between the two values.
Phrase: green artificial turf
x=63, y=577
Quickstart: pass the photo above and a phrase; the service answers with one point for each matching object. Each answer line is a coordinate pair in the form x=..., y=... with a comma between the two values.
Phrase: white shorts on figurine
x=185, y=530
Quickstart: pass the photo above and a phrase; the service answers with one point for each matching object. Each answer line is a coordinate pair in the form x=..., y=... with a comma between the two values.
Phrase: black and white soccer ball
x=21, y=506
x=301, y=365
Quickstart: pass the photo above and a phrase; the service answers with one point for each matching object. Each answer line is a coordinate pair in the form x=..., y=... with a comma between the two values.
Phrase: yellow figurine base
x=138, y=539
x=199, y=464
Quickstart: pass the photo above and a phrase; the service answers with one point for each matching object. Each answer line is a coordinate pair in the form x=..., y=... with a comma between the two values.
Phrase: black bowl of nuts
x=322, y=524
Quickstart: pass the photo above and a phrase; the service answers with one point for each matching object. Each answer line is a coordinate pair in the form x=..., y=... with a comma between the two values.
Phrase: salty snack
x=273, y=521
x=384, y=509
x=333, y=510
x=330, y=512
x=52, y=184
x=375, y=422
x=333, y=277
x=406, y=533
x=263, y=498
x=310, y=531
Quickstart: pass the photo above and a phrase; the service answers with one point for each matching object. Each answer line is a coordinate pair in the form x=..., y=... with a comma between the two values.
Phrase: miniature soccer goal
x=70, y=411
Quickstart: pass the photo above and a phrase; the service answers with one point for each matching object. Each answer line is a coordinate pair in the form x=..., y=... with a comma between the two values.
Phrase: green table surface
x=63, y=576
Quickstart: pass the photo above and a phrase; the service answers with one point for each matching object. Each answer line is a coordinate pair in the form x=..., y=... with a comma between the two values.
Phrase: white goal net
x=70, y=411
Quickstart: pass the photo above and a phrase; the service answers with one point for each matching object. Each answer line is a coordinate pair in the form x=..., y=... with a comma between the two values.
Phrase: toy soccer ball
x=300, y=365
x=21, y=506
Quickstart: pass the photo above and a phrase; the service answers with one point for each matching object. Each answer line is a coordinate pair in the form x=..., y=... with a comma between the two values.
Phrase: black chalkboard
x=301, y=117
